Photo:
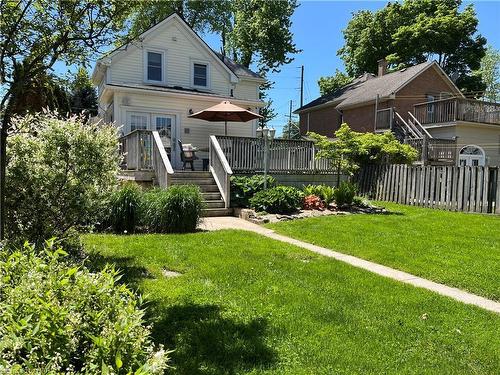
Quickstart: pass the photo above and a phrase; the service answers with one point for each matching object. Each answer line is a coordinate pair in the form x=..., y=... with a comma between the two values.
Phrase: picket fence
x=468, y=189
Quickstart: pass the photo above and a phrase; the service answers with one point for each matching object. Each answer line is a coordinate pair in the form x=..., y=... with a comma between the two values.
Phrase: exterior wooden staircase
x=214, y=204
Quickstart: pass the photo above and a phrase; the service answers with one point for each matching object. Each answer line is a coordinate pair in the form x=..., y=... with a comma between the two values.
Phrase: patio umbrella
x=225, y=111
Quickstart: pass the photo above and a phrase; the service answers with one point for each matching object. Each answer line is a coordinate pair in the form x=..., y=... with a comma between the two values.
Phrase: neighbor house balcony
x=452, y=110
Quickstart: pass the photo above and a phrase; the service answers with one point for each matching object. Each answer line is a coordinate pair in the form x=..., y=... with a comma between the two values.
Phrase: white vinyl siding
x=180, y=50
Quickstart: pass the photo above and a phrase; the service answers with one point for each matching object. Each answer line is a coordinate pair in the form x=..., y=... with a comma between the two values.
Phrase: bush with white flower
x=58, y=318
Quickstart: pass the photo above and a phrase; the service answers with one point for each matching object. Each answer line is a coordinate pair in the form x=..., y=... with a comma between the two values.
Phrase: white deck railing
x=143, y=150
x=220, y=169
x=246, y=155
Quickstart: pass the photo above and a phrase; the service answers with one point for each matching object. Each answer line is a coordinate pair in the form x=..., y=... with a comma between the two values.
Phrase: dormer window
x=154, y=69
x=200, y=75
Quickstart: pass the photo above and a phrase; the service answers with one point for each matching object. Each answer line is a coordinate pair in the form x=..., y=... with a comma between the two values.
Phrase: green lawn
x=457, y=249
x=246, y=304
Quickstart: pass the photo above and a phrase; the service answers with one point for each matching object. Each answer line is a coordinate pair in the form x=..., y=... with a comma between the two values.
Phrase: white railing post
x=160, y=162
x=220, y=169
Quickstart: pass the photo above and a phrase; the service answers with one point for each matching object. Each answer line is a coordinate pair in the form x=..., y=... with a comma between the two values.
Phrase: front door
x=167, y=129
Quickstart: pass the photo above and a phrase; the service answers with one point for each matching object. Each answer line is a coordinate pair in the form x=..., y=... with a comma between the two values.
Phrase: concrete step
x=132, y=175
x=209, y=188
x=192, y=181
x=209, y=212
x=211, y=196
x=214, y=204
x=191, y=174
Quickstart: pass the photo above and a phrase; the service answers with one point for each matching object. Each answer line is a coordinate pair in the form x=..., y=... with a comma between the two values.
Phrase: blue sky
x=317, y=28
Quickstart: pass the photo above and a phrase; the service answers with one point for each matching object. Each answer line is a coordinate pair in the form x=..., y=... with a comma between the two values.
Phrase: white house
x=167, y=73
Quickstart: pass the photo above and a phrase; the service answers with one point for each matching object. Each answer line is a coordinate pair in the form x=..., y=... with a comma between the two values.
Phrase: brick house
x=419, y=104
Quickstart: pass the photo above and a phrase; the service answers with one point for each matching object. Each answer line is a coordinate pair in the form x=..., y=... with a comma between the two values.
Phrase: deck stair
x=214, y=204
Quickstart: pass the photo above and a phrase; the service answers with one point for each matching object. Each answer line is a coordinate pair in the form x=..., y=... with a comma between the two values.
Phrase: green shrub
x=125, y=205
x=279, y=200
x=55, y=319
x=325, y=192
x=243, y=188
x=173, y=210
x=344, y=193
x=60, y=175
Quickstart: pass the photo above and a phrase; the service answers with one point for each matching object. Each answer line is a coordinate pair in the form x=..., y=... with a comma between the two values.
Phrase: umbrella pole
x=225, y=127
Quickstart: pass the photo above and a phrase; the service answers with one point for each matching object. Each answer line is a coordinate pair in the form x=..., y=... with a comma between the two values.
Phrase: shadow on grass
x=206, y=342
x=203, y=339
x=131, y=274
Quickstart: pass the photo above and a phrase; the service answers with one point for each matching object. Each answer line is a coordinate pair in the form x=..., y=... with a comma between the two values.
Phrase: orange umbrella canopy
x=225, y=111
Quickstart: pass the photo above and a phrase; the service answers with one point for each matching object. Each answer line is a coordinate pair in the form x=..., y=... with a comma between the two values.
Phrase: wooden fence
x=468, y=189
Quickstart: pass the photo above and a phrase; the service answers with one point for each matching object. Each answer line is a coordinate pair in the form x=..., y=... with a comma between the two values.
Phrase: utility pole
x=290, y=121
x=302, y=85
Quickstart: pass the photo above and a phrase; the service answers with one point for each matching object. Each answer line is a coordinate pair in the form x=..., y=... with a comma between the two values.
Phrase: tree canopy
x=352, y=150
x=83, y=96
x=414, y=31
x=251, y=31
x=490, y=73
x=332, y=83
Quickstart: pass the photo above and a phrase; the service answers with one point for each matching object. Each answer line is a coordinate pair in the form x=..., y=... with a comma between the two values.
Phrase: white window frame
x=209, y=81
x=163, y=65
x=469, y=159
x=129, y=115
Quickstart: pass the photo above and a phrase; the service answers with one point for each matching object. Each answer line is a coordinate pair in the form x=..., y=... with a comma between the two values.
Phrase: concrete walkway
x=228, y=222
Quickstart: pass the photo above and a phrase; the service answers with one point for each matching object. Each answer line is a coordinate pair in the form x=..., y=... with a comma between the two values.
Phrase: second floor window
x=200, y=75
x=154, y=66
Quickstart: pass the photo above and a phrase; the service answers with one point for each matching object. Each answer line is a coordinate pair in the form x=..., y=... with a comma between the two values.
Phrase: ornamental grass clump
x=174, y=210
x=57, y=318
x=125, y=206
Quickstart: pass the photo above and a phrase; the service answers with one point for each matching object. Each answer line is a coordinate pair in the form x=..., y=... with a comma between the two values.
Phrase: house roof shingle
x=367, y=87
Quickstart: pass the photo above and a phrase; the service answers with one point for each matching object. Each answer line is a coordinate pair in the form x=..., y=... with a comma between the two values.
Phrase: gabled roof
x=233, y=68
x=366, y=88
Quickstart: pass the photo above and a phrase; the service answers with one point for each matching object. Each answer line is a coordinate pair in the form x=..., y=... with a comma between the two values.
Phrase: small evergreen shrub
x=243, y=188
x=125, y=205
x=56, y=318
x=174, y=210
x=344, y=194
x=325, y=192
x=278, y=200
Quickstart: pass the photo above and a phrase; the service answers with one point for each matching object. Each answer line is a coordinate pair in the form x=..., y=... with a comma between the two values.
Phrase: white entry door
x=167, y=128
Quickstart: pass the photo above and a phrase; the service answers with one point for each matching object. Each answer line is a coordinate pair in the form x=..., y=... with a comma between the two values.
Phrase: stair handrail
x=220, y=169
x=421, y=128
x=161, y=163
x=413, y=131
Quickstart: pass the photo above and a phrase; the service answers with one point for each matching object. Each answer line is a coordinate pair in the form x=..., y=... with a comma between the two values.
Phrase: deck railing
x=142, y=150
x=434, y=150
x=220, y=169
x=246, y=155
x=457, y=109
x=384, y=119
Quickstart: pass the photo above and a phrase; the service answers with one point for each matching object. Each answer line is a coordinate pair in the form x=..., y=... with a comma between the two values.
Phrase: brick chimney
x=382, y=67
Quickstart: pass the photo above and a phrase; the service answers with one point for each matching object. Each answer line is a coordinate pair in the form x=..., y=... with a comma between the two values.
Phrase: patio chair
x=187, y=156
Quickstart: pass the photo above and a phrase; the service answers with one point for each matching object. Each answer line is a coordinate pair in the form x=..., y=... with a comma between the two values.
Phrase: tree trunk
x=3, y=169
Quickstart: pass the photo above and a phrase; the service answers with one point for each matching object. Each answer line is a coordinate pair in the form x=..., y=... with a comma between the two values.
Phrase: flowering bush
x=60, y=173
x=313, y=202
x=55, y=318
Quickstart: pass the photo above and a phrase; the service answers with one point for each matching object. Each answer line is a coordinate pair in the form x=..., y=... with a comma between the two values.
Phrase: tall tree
x=330, y=84
x=34, y=35
x=291, y=130
x=83, y=96
x=414, y=31
x=251, y=31
x=490, y=73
